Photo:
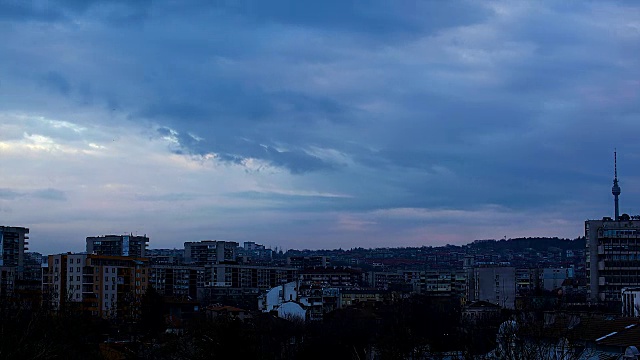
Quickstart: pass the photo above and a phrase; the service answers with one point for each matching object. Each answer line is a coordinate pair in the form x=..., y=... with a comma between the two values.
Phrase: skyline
x=333, y=125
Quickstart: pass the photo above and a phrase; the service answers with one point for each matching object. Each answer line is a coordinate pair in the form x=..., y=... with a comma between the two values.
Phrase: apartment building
x=13, y=243
x=101, y=285
x=209, y=252
x=177, y=281
x=248, y=276
x=118, y=245
x=496, y=285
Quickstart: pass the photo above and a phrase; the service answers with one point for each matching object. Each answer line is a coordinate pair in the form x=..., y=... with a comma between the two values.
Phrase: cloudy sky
x=315, y=124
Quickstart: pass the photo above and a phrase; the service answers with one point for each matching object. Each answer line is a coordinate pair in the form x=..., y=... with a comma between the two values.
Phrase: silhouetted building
x=248, y=276
x=177, y=281
x=118, y=245
x=496, y=285
x=13, y=243
x=209, y=252
x=303, y=262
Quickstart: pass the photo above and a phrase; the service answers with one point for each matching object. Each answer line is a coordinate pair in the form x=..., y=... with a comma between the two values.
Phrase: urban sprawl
x=580, y=297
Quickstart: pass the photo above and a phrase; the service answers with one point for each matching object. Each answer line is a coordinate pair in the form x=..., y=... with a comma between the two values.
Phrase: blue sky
x=315, y=125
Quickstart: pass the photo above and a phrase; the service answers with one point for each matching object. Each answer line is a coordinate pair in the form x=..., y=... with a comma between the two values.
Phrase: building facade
x=118, y=245
x=177, y=281
x=248, y=276
x=13, y=243
x=613, y=257
x=631, y=302
x=496, y=285
x=100, y=285
x=209, y=252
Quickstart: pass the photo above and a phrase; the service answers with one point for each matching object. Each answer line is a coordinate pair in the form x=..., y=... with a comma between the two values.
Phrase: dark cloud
x=296, y=161
x=406, y=104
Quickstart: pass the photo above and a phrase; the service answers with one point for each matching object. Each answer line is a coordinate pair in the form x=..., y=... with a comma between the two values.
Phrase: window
x=113, y=287
x=77, y=278
x=106, y=296
x=106, y=287
x=143, y=271
x=78, y=261
x=71, y=269
x=106, y=278
x=56, y=261
x=96, y=287
x=70, y=277
x=78, y=269
x=77, y=287
x=113, y=279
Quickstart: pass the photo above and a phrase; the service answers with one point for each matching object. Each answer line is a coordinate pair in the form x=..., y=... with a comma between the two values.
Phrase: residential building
x=101, y=285
x=248, y=276
x=303, y=262
x=13, y=243
x=445, y=282
x=527, y=280
x=496, y=285
x=631, y=302
x=351, y=297
x=613, y=260
x=177, y=281
x=118, y=245
x=255, y=253
x=552, y=278
x=209, y=252
x=165, y=256
x=331, y=277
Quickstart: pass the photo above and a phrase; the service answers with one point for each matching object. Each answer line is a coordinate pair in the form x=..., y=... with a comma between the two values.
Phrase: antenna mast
x=615, y=190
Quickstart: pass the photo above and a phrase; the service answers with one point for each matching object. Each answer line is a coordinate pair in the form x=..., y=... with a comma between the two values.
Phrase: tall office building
x=118, y=245
x=613, y=252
